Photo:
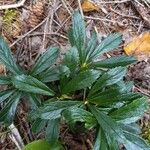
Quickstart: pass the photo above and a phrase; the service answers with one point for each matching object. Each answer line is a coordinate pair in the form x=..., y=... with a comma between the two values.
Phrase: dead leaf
x=139, y=47
x=88, y=6
x=2, y=69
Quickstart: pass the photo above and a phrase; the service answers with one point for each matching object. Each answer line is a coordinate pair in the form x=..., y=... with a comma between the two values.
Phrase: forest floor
x=37, y=24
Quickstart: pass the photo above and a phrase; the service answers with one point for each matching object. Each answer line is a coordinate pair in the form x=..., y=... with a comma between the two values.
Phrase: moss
x=146, y=132
x=9, y=16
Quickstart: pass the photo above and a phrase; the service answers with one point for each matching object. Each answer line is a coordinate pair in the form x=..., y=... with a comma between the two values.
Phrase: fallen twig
x=15, y=137
x=100, y=19
x=19, y=4
x=109, y=2
x=65, y=5
x=23, y=36
x=141, y=12
x=80, y=7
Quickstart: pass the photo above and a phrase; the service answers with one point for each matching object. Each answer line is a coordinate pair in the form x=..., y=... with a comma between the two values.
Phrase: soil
x=39, y=25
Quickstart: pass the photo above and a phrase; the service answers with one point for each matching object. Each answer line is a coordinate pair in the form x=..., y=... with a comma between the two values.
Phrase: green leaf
x=75, y=114
x=114, y=62
x=112, y=96
x=71, y=59
x=6, y=58
x=125, y=87
x=111, y=77
x=90, y=47
x=101, y=141
x=49, y=75
x=71, y=38
x=52, y=131
x=45, y=61
x=81, y=81
x=5, y=79
x=8, y=112
x=109, y=96
x=105, y=142
x=31, y=84
x=34, y=100
x=131, y=112
x=109, y=43
x=132, y=128
x=112, y=142
x=79, y=35
x=109, y=126
x=135, y=142
x=43, y=145
x=38, y=125
x=6, y=94
x=53, y=110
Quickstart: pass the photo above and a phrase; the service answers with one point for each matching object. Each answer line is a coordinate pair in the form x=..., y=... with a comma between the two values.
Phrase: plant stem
x=84, y=94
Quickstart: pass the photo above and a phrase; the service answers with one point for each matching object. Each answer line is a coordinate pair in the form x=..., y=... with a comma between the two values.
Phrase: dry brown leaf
x=2, y=69
x=139, y=47
x=88, y=6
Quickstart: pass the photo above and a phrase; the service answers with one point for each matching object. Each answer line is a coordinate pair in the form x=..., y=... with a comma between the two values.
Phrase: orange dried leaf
x=139, y=47
x=88, y=6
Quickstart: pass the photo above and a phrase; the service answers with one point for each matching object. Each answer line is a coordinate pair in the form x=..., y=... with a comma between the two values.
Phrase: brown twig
x=47, y=34
x=123, y=15
x=100, y=19
x=141, y=13
x=111, y=2
x=66, y=6
x=19, y=4
x=143, y=91
x=80, y=8
x=23, y=36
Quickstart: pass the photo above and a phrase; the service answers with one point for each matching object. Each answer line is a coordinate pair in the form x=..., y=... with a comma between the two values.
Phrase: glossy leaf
x=114, y=62
x=108, y=78
x=131, y=112
x=81, y=81
x=8, y=112
x=34, y=100
x=5, y=79
x=6, y=58
x=109, y=126
x=79, y=35
x=42, y=145
x=112, y=96
x=38, y=125
x=52, y=131
x=31, y=85
x=45, y=61
x=101, y=141
x=135, y=142
x=109, y=43
x=75, y=114
x=90, y=47
x=112, y=142
x=133, y=128
x=6, y=94
x=71, y=38
x=125, y=87
x=49, y=75
x=53, y=110
x=71, y=59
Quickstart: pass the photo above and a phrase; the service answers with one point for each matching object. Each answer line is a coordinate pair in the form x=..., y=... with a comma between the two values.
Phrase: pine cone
x=16, y=29
x=36, y=14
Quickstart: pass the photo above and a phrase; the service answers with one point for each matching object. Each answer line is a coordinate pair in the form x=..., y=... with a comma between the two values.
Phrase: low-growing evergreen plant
x=83, y=91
